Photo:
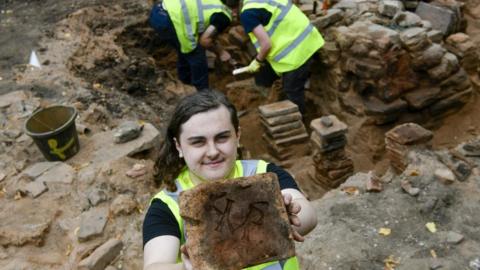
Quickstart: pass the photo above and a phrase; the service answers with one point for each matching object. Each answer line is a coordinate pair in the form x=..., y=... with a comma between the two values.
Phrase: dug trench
x=147, y=74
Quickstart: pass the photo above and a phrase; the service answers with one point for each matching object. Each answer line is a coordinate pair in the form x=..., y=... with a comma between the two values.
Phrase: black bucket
x=53, y=131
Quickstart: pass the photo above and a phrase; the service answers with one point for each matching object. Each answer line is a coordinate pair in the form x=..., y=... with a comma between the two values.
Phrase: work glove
x=254, y=66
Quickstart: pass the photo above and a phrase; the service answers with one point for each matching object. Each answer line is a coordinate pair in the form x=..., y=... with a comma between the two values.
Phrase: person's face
x=208, y=143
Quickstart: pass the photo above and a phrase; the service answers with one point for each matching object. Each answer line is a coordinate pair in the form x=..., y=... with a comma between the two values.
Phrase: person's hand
x=187, y=265
x=293, y=208
x=254, y=66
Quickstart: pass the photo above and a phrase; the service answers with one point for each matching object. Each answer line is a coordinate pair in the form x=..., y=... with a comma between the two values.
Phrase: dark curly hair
x=169, y=164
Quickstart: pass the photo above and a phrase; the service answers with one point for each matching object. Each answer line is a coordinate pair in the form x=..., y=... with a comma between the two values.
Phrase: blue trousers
x=192, y=67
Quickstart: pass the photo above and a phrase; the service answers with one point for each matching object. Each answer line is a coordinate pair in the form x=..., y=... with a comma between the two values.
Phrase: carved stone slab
x=232, y=224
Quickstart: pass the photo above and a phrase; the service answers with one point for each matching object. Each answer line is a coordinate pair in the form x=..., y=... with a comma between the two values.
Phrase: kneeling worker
x=186, y=24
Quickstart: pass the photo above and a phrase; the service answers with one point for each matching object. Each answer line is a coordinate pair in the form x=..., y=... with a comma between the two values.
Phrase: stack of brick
x=403, y=138
x=328, y=141
x=285, y=133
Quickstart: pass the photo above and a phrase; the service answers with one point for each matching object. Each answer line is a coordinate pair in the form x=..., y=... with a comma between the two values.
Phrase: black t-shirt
x=220, y=21
x=251, y=18
x=159, y=220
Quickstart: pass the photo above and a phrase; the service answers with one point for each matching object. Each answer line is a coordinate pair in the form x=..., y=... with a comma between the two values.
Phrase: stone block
x=447, y=66
x=333, y=15
x=457, y=82
x=435, y=35
x=60, y=173
x=337, y=128
x=101, y=148
x=374, y=106
x=445, y=176
x=102, y=256
x=283, y=119
x=278, y=108
x=414, y=39
x=383, y=37
x=390, y=7
x=409, y=134
x=454, y=237
x=323, y=146
x=12, y=97
x=92, y=223
x=37, y=169
x=283, y=127
x=442, y=19
x=421, y=98
x=407, y=19
x=452, y=103
x=127, y=131
x=292, y=140
x=337, y=154
x=334, y=164
x=35, y=188
x=236, y=223
x=410, y=4
x=365, y=68
x=428, y=58
x=288, y=133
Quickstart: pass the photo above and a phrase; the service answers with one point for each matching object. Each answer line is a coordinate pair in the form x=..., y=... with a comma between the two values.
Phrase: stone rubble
x=102, y=256
x=328, y=141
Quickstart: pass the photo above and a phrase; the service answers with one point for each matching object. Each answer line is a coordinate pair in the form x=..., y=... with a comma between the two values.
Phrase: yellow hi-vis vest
x=242, y=168
x=191, y=17
x=294, y=39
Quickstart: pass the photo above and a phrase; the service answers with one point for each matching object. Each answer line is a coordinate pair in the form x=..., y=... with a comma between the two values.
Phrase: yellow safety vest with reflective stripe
x=242, y=168
x=191, y=17
x=294, y=39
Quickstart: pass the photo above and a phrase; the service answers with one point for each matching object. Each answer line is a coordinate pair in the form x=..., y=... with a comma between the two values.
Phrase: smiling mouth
x=213, y=163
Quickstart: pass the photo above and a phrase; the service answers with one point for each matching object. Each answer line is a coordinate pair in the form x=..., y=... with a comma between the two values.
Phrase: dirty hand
x=187, y=265
x=293, y=208
x=254, y=66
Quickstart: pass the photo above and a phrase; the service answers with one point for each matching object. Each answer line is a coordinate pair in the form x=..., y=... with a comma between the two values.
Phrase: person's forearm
x=264, y=50
x=164, y=266
x=264, y=42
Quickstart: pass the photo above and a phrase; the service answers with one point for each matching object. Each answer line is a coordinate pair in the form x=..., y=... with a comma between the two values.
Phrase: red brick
x=232, y=224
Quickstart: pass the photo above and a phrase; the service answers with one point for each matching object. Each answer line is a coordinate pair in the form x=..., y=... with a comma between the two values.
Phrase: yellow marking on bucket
x=59, y=151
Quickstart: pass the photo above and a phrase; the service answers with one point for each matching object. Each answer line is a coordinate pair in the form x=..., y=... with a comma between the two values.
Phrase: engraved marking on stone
x=255, y=215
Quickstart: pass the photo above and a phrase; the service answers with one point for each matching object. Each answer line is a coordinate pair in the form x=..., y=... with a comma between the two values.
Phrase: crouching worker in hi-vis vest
x=190, y=26
x=285, y=41
x=201, y=145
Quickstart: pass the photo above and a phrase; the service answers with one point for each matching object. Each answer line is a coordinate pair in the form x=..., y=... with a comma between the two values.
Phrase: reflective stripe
x=212, y=6
x=201, y=20
x=276, y=266
x=278, y=20
x=294, y=44
x=188, y=24
x=249, y=167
